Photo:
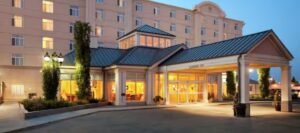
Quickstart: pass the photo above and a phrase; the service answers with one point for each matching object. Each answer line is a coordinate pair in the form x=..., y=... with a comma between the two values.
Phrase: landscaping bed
x=39, y=107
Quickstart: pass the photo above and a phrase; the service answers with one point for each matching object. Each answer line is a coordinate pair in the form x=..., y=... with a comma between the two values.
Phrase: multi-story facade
x=29, y=28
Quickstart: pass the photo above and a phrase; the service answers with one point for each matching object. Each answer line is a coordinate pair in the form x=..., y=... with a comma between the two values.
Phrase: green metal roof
x=235, y=46
x=148, y=29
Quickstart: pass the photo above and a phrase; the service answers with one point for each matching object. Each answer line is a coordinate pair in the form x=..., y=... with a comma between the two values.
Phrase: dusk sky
x=282, y=16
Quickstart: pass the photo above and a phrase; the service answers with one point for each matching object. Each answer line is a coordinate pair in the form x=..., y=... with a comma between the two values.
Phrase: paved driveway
x=183, y=119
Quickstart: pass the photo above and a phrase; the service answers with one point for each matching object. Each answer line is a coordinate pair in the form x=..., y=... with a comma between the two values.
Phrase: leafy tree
x=51, y=77
x=82, y=59
x=230, y=84
x=263, y=81
x=294, y=81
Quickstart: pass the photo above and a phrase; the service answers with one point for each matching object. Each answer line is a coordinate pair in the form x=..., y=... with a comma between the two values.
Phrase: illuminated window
x=74, y=11
x=168, y=42
x=17, y=21
x=17, y=40
x=143, y=40
x=47, y=43
x=47, y=25
x=17, y=90
x=99, y=14
x=135, y=87
x=162, y=43
x=17, y=60
x=155, y=42
x=149, y=41
x=98, y=31
x=17, y=3
x=120, y=3
x=48, y=6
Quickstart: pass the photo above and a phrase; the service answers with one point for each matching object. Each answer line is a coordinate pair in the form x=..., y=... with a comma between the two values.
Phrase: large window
x=47, y=25
x=185, y=88
x=135, y=87
x=69, y=88
x=74, y=11
x=17, y=21
x=48, y=6
x=138, y=21
x=47, y=43
x=17, y=90
x=159, y=85
x=17, y=40
x=120, y=18
x=17, y=3
x=17, y=60
x=98, y=31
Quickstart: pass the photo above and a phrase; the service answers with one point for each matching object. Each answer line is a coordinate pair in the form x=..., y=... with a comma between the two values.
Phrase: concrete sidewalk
x=12, y=118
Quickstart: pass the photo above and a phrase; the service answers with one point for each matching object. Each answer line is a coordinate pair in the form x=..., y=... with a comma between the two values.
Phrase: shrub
x=157, y=99
x=42, y=104
x=93, y=100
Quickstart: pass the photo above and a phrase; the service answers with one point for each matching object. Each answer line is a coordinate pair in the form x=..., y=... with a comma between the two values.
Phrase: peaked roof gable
x=148, y=29
x=234, y=46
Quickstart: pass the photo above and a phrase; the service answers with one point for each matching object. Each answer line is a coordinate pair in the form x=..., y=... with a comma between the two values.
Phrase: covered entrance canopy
x=259, y=50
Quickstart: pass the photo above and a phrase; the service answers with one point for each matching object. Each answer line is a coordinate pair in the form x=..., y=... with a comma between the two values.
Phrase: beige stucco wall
x=32, y=32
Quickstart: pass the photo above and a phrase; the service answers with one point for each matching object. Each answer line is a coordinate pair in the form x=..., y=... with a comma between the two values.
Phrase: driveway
x=183, y=119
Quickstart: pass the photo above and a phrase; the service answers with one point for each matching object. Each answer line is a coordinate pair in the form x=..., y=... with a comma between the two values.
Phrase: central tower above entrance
x=148, y=36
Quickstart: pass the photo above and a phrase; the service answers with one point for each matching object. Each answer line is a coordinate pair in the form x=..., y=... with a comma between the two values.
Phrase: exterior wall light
x=47, y=57
x=251, y=70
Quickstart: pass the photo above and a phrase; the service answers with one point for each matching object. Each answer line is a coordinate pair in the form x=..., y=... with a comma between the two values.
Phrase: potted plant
x=239, y=109
x=277, y=101
x=210, y=97
x=158, y=100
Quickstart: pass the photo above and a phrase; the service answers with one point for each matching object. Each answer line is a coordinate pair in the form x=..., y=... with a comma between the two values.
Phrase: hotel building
x=30, y=28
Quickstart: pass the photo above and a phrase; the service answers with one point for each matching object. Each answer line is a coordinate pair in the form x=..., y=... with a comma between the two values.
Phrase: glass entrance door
x=182, y=93
x=173, y=93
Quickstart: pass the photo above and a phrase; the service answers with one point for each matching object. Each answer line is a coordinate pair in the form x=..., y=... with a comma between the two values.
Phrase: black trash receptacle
x=239, y=110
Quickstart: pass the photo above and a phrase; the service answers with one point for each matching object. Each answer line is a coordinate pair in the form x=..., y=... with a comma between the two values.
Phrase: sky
x=283, y=16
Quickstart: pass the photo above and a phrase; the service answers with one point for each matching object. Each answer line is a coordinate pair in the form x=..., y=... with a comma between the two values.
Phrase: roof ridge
x=214, y=43
x=127, y=54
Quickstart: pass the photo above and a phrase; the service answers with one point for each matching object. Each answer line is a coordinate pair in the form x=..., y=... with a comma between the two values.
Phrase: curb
x=115, y=109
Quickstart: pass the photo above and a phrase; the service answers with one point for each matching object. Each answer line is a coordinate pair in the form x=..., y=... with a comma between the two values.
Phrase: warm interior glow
x=47, y=25
x=135, y=91
x=18, y=21
x=48, y=6
x=185, y=88
x=143, y=40
x=98, y=31
x=47, y=43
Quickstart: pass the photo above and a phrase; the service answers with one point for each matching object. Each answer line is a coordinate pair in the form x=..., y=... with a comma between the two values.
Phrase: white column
x=244, y=83
x=166, y=94
x=150, y=87
x=220, y=91
x=205, y=89
x=120, y=78
x=286, y=98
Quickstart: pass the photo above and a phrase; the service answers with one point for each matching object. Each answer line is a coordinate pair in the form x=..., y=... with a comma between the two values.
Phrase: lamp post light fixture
x=47, y=57
x=57, y=58
x=251, y=70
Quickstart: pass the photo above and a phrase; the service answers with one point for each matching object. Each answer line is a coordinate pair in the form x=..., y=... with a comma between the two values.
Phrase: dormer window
x=146, y=36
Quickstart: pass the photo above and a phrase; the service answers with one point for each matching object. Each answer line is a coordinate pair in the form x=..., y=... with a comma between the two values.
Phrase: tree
x=51, y=77
x=230, y=84
x=263, y=81
x=82, y=59
x=294, y=81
